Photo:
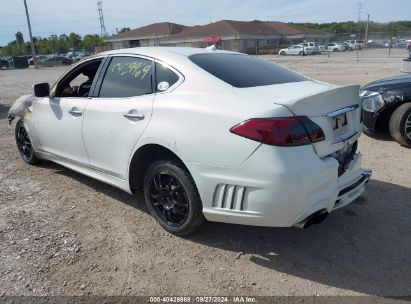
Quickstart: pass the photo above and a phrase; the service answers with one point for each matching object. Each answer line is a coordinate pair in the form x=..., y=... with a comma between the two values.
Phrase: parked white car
x=354, y=44
x=312, y=48
x=296, y=49
x=335, y=47
x=205, y=134
x=360, y=43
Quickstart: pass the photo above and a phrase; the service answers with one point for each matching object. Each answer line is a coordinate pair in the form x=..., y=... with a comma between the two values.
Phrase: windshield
x=244, y=71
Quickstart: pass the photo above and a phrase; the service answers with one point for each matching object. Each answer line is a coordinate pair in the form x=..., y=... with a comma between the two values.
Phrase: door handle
x=75, y=112
x=134, y=116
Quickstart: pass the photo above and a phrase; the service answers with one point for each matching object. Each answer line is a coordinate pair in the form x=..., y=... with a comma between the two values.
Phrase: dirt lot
x=62, y=233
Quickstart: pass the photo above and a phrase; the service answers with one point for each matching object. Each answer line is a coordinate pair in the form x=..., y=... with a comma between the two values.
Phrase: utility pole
x=103, y=32
x=366, y=30
x=33, y=50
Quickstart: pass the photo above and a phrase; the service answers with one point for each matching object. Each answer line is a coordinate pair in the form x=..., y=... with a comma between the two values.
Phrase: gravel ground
x=62, y=233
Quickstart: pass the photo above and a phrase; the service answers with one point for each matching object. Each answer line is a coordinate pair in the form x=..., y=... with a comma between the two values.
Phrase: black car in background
x=15, y=62
x=58, y=59
x=386, y=105
x=4, y=63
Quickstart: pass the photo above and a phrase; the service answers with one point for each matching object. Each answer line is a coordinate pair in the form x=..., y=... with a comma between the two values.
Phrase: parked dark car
x=20, y=62
x=58, y=59
x=386, y=105
x=4, y=63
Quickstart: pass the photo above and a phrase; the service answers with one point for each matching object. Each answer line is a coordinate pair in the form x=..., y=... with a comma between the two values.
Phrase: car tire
x=172, y=198
x=24, y=146
x=301, y=53
x=282, y=53
x=400, y=125
x=335, y=50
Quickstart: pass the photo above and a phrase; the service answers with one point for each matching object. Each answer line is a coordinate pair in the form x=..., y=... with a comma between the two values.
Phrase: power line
x=47, y=13
x=47, y=23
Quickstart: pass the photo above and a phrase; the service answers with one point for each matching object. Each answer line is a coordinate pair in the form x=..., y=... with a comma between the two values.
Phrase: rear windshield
x=243, y=71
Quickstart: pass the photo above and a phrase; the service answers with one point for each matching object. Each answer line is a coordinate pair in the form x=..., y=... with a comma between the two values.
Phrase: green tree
x=62, y=44
x=74, y=41
x=91, y=41
x=54, y=44
x=52, y=41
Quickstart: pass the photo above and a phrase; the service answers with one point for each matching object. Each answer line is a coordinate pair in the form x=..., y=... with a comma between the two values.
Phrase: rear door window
x=164, y=74
x=127, y=77
x=244, y=71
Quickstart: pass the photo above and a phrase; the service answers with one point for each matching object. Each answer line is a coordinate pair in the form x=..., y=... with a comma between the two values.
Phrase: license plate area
x=339, y=119
x=339, y=122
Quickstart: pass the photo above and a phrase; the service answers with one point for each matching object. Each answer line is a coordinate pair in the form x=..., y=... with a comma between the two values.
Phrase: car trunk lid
x=335, y=109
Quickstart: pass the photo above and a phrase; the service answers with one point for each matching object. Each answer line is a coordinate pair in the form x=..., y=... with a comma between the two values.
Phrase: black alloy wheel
x=172, y=197
x=24, y=145
x=169, y=199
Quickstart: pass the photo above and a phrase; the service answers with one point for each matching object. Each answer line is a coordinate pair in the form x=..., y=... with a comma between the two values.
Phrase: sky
x=81, y=16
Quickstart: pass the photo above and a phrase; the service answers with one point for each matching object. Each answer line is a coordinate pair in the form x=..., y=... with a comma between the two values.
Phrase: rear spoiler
x=328, y=101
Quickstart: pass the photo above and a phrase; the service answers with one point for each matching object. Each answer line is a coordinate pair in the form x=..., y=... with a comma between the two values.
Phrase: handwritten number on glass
x=135, y=69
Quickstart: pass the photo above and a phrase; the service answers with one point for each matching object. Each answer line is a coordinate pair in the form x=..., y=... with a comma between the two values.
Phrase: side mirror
x=41, y=89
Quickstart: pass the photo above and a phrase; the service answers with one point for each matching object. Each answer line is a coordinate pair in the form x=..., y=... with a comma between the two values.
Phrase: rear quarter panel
x=196, y=126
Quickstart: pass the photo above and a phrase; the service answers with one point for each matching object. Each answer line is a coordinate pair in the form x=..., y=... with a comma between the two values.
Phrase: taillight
x=283, y=131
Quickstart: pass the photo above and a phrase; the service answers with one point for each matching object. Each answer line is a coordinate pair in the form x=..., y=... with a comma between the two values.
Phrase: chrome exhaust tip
x=315, y=218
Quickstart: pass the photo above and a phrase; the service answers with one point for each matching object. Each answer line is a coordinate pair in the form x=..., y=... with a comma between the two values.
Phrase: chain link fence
x=395, y=39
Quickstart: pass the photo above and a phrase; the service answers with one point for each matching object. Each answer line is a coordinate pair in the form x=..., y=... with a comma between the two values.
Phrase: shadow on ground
x=136, y=201
x=383, y=136
x=364, y=247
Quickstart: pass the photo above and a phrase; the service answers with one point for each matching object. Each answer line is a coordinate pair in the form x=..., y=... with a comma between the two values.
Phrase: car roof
x=161, y=51
x=175, y=56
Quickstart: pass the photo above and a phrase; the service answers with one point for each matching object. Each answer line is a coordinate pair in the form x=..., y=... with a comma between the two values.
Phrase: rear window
x=243, y=71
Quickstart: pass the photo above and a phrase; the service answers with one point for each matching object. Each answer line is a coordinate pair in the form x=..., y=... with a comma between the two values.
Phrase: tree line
x=62, y=44
x=54, y=45
x=394, y=28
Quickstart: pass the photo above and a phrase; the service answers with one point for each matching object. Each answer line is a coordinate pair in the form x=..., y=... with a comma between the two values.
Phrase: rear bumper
x=293, y=185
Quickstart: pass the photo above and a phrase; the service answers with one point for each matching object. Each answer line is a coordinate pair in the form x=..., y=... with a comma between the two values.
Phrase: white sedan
x=335, y=47
x=296, y=49
x=207, y=135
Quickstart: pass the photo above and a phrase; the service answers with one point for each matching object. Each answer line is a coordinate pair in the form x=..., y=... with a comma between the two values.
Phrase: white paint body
x=335, y=47
x=296, y=49
x=239, y=180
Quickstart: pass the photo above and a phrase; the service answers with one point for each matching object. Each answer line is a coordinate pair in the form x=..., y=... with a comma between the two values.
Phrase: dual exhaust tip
x=315, y=218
